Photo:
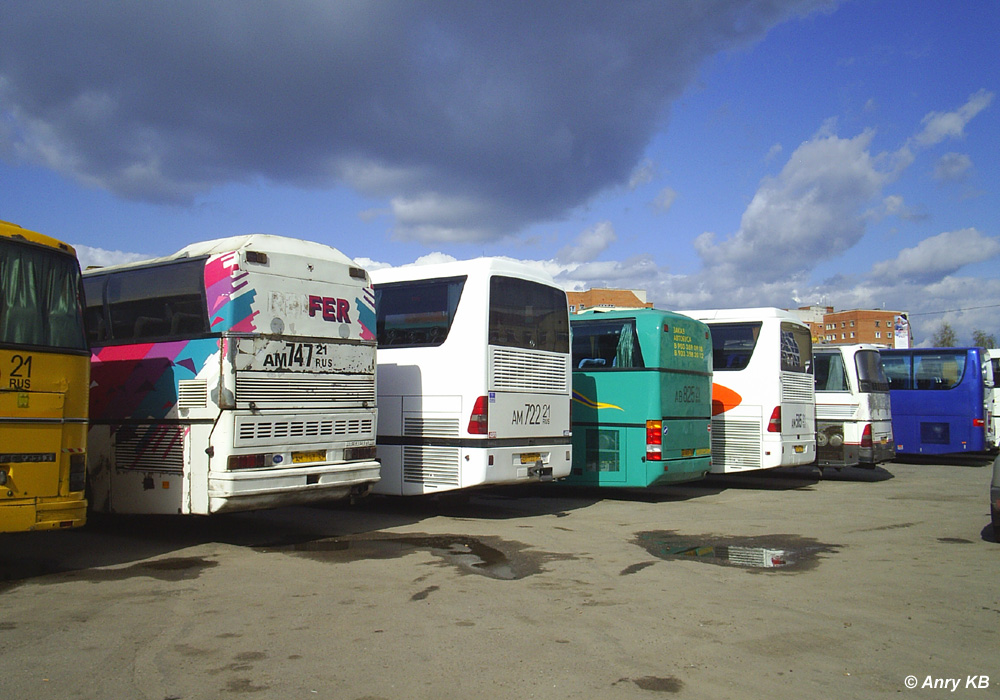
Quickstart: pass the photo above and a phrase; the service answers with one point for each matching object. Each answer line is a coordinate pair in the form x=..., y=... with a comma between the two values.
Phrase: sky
x=715, y=154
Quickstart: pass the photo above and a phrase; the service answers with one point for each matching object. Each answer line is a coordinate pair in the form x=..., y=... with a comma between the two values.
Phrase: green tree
x=984, y=339
x=945, y=337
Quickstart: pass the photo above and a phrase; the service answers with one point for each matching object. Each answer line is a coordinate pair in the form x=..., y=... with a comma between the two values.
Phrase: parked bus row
x=261, y=371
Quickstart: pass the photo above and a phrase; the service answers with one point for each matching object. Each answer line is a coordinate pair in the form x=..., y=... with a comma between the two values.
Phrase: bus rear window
x=606, y=344
x=41, y=302
x=415, y=314
x=733, y=344
x=148, y=303
x=528, y=315
x=796, y=348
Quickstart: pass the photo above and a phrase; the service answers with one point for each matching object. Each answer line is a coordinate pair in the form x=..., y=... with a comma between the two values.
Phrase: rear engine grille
x=798, y=387
x=736, y=443
x=310, y=389
x=157, y=448
x=432, y=466
x=513, y=369
x=430, y=427
x=259, y=431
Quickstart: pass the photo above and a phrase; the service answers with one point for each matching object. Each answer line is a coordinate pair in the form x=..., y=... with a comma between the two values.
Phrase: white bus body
x=763, y=394
x=993, y=397
x=235, y=374
x=853, y=415
x=474, y=379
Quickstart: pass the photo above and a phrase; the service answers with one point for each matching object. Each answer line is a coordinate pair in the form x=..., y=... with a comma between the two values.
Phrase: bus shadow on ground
x=116, y=540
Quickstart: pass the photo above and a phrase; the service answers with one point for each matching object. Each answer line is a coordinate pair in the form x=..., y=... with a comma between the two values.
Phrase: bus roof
x=477, y=266
x=741, y=314
x=850, y=347
x=590, y=314
x=263, y=242
x=9, y=230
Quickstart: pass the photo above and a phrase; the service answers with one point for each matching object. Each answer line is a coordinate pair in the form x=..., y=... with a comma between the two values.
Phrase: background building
x=878, y=326
x=607, y=299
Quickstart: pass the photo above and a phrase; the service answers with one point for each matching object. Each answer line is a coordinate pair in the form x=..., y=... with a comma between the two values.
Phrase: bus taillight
x=774, y=425
x=978, y=423
x=654, y=440
x=480, y=417
x=866, y=436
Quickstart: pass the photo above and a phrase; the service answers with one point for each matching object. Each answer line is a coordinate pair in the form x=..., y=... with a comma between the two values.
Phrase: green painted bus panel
x=630, y=367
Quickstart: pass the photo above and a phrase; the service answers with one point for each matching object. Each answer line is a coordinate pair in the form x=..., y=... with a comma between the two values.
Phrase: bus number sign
x=532, y=414
x=19, y=372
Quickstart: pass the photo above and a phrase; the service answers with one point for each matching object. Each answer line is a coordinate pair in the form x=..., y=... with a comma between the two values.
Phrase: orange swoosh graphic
x=723, y=399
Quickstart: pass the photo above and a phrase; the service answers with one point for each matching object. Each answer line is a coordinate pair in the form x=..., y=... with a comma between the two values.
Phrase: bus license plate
x=314, y=456
x=799, y=449
x=530, y=458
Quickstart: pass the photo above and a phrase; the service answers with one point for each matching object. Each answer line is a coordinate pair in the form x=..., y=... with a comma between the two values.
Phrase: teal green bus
x=642, y=398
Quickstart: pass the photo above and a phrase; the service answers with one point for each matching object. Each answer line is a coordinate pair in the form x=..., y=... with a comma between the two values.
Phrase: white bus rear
x=763, y=398
x=235, y=374
x=474, y=376
x=853, y=414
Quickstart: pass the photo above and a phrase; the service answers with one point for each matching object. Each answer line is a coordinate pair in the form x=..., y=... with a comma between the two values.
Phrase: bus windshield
x=41, y=302
x=529, y=315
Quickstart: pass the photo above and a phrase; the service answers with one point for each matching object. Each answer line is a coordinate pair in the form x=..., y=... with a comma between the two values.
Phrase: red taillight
x=255, y=461
x=654, y=440
x=479, y=418
x=978, y=423
x=774, y=425
x=866, y=436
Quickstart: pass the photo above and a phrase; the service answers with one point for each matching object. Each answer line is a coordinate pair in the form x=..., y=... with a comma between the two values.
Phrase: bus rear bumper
x=35, y=516
x=232, y=491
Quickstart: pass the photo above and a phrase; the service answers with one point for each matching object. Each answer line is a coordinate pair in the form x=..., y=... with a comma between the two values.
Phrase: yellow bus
x=44, y=383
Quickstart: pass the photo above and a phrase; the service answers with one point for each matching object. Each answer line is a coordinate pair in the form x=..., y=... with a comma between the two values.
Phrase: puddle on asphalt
x=499, y=559
x=764, y=553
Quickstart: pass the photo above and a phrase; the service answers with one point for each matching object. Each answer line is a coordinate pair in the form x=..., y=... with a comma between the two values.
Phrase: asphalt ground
x=781, y=584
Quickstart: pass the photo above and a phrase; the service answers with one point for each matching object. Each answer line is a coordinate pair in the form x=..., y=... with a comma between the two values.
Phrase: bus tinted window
x=152, y=303
x=831, y=374
x=733, y=344
x=529, y=315
x=606, y=344
x=939, y=371
x=413, y=314
x=897, y=370
x=796, y=348
x=41, y=300
x=871, y=376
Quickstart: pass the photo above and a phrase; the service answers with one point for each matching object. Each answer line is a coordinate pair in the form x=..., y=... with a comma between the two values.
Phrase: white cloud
x=939, y=126
x=939, y=256
x=810, y=212
x=642, y=175
x=952, y=167
x=99, y=257
x=665, y=199
x=589, y=244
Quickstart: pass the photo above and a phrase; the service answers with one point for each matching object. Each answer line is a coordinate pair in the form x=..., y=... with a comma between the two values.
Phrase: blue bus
x=938, y=399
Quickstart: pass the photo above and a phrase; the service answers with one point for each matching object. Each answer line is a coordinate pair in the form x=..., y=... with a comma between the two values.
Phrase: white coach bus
x=235, y=374
x=474, y=378
x=853, y=413
x=763, y=393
